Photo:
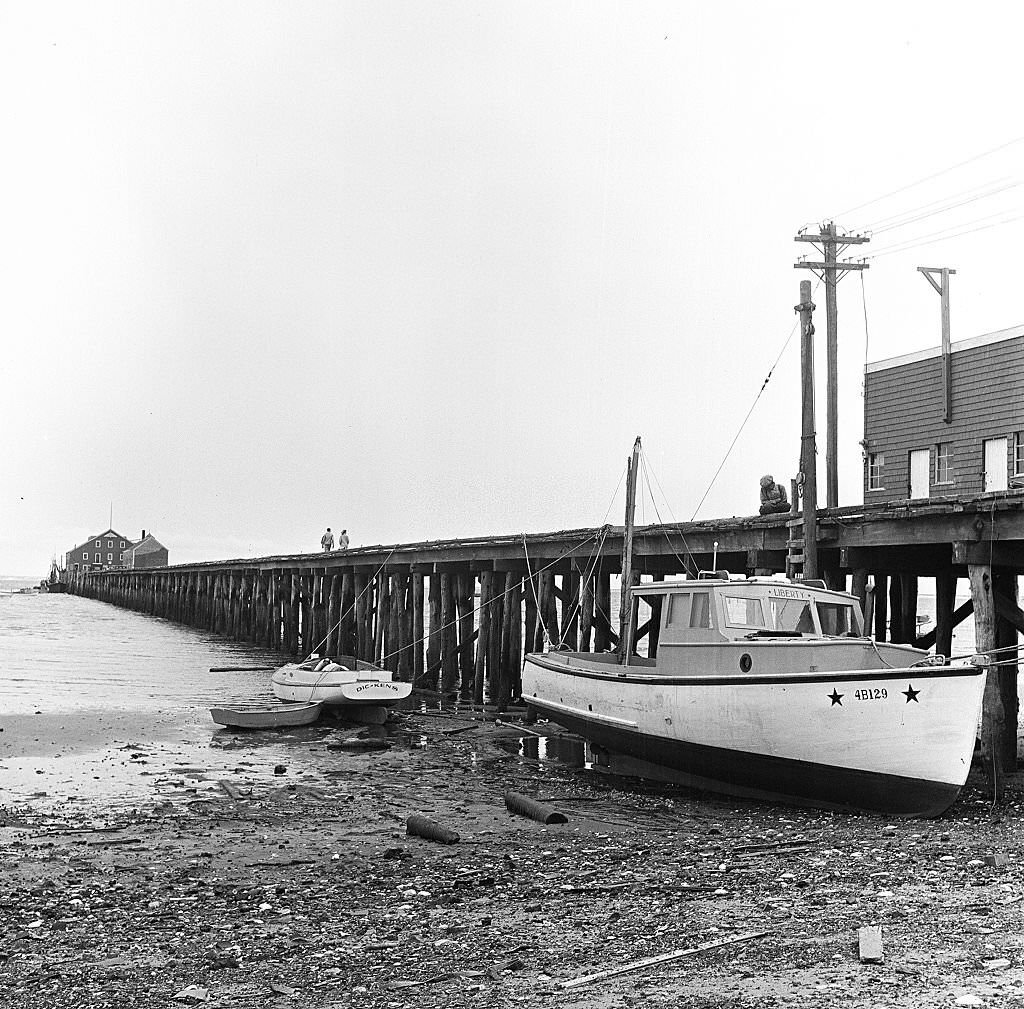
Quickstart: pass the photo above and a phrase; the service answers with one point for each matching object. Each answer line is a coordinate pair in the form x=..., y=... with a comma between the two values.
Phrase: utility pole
x=831, y=270
x=942, y=287
x=808, y=449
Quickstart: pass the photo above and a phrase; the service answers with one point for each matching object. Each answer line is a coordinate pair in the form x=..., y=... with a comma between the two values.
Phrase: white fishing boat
x=769, y=689
x=340, y=681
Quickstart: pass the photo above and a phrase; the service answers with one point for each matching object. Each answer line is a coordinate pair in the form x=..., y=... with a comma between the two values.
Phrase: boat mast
x=626, y=599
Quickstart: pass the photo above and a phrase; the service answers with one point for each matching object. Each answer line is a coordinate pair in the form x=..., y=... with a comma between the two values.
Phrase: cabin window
x=792, y=615
x=700, y=610
x=943, y=463
x=835, y=618
x=1018, y=453
x=678, y=610
x=743, y=612
x=876, y=460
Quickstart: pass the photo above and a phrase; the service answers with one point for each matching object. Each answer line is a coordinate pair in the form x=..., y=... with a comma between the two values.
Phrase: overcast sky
x=426, y=269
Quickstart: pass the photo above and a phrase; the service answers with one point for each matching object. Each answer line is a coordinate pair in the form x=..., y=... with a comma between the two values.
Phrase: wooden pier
x=489, y=600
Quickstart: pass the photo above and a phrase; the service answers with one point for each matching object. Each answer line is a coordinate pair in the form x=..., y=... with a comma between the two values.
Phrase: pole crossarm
x=828, y=243
x=844, y=240
x=927, y=271
x=805, y=264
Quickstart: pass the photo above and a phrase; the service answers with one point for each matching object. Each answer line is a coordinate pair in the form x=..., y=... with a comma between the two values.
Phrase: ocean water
x=64, y=653
x=104, y=708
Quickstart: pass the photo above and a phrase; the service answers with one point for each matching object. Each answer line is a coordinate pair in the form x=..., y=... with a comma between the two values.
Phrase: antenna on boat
x=625, y=598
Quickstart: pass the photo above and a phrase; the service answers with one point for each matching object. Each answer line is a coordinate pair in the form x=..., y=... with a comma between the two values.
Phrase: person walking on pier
x=343, y=540
x=327, y=540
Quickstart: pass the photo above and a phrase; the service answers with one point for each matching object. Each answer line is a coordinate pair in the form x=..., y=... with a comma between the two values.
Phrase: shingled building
x=927, y=436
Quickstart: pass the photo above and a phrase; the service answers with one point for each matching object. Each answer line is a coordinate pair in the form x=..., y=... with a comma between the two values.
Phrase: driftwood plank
x=653, y=961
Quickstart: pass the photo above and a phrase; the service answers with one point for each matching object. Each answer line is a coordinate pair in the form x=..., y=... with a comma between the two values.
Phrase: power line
x=899, y=223
x=944, y=231
x=934, y=175
x=970, y=191
x=942, y=238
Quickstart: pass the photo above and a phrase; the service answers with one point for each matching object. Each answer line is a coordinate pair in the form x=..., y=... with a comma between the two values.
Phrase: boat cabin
x=705, y=610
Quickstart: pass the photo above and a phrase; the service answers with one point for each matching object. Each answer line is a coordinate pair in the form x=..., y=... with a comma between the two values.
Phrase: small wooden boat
x=342, y=681
x=266, y=716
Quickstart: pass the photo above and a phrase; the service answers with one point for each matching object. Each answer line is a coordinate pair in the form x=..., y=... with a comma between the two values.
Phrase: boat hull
x=268, y=716
x=349, y=687
x=893, y=741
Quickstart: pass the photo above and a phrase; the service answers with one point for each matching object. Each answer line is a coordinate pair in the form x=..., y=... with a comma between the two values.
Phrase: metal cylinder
x=422, y=826
x=525, y=806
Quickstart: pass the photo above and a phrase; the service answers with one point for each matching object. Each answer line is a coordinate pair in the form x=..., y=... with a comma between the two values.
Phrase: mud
x=190, y=865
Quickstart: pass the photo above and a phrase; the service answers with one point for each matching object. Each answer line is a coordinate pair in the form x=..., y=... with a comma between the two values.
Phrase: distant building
x=912, y=449
x=149, y=552
x=98, y=553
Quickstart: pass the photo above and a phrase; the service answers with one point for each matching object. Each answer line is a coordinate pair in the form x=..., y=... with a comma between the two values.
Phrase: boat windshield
x=835, y=618
x=792, y=615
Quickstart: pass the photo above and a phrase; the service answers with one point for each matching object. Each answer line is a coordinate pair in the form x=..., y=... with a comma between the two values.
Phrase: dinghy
x=266, y=716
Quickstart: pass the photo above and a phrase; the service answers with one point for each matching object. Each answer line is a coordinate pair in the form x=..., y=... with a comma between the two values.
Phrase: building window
x=943, y=463
x=876, y=460
x=122, y=544
x=110, y=557
x=85, y=555
x=110, y=544
x=1018, y=453
x=97, y=558
x=99, y=543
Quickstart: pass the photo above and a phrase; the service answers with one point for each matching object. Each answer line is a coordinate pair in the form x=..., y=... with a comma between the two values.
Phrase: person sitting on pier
x=773, y=496
x=327, y=540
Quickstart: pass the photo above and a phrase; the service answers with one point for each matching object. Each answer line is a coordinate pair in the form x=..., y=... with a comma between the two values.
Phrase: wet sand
x=264, y=868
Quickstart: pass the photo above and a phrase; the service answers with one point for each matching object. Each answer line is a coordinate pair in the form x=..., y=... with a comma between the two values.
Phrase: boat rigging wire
x=476, y=610
x=648, y=472
x=352, y=606
x=760, y=391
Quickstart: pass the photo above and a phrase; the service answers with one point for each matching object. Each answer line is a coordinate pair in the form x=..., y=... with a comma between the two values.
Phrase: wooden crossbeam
x=1009, y=610
x=960, y=614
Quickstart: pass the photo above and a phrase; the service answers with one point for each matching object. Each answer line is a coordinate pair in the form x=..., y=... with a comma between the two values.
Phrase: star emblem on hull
x=911, y=694
x=836, y=698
